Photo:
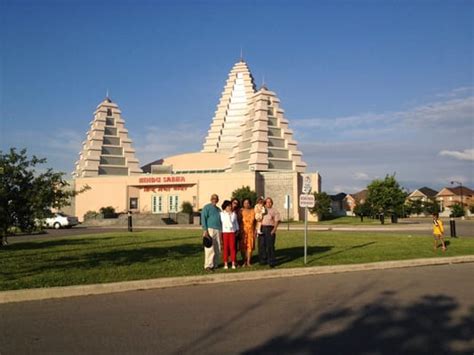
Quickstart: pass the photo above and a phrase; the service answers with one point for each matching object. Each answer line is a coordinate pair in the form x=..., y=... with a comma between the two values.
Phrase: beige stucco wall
x=115, y=191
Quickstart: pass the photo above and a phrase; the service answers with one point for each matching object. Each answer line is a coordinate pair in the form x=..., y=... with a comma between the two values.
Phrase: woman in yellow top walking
x=438, y=231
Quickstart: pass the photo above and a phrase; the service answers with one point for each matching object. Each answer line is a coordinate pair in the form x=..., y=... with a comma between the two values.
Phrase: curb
x=97, y=289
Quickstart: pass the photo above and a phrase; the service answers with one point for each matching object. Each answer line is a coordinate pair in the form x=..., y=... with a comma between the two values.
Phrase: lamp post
x=462, y=203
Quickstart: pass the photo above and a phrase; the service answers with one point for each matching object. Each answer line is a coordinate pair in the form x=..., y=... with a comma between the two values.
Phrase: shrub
x=108, y=212
x=187, y=207
x=92, y=215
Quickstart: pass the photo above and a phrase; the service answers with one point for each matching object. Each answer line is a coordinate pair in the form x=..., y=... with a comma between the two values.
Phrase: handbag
x=207, y=241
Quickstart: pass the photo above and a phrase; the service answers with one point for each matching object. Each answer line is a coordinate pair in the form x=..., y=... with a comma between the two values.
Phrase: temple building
x=249, y=143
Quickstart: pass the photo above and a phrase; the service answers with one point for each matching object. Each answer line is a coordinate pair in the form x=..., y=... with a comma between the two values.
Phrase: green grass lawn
x=163, y=253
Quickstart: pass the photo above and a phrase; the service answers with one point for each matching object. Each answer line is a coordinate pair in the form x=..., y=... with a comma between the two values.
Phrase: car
x=61, y=220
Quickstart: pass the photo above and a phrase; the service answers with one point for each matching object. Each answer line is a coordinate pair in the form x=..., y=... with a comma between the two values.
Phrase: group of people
x=239, y=226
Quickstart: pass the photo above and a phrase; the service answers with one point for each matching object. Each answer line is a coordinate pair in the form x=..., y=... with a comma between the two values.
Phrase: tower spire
x=241, y=54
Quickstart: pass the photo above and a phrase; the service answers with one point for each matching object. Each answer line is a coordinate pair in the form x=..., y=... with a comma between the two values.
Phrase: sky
x=369, y=88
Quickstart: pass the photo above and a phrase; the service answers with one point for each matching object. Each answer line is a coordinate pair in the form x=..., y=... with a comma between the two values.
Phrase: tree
x=26, y=195
x=431, y=206
x=386, y=196
x=245, y=192
x=363, y=210
x=416, y=206
x=457, y=210
x=322, y=206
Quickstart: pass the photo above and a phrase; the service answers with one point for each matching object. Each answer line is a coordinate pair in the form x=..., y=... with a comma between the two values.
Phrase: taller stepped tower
x=231, y=110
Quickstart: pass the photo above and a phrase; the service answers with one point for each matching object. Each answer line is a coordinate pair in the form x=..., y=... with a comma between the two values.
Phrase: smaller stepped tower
x=107, y=149
x=265, y=142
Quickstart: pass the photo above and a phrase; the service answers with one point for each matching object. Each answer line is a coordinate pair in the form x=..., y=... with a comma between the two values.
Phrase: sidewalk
x=97, y=289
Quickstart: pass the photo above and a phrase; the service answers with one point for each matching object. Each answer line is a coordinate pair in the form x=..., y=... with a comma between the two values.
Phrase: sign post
x=288, y=206
x=306, y=200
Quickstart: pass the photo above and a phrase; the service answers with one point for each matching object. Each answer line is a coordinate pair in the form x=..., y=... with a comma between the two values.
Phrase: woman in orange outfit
x=247, y=241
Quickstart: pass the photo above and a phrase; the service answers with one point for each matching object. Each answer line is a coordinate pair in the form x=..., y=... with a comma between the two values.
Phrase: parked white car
x=61, y=220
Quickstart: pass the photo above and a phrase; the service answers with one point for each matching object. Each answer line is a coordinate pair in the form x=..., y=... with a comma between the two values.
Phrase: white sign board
x=288, y=203
x=307, y=185
x=307, y=201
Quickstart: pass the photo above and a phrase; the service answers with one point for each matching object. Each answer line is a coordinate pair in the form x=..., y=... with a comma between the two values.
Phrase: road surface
x=425, y=310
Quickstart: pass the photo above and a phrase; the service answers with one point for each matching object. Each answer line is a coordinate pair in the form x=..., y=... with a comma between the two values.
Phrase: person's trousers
x=266, y=246
x=212, y=254
x=229, y=246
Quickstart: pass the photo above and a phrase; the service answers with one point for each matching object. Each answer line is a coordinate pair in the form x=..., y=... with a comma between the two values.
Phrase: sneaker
x=225, y=267
x=209, y=269
x=233, y=267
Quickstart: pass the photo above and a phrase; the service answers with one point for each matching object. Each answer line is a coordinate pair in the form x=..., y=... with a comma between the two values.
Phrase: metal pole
x=130, y=226
x=305, y=233
x=288, y=217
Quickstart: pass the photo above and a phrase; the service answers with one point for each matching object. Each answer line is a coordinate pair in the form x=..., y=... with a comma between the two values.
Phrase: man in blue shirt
x=212, y=227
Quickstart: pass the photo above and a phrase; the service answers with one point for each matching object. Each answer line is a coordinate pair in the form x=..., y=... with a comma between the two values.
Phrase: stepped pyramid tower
x=265, y=142
x=107, y=149
x=231, y=110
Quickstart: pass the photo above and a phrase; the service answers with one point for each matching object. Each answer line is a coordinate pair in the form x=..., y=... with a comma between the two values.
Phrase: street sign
x=307, y=185
x=307, y=201
x=288, y=203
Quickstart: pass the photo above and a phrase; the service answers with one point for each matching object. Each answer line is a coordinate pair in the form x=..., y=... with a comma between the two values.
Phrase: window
x=133, y=203
x=156, y=204
x=109, y=112
x=173, y=205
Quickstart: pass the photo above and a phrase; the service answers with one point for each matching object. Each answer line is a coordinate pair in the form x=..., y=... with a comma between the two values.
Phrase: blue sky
x=370, y=88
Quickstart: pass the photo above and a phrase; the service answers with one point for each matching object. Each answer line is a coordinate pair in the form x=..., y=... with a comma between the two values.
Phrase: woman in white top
x=230, y=226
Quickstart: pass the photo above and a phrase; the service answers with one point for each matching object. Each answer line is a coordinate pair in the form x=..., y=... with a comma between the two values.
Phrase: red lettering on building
x=154, y=180
x=149, y=180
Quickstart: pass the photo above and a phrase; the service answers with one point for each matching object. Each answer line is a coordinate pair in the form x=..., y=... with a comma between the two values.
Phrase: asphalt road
x=426, y=310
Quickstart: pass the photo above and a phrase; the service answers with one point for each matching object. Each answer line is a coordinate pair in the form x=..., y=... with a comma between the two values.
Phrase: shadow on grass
x=342, y=251
x=428, y=325
x=41, y=246
x=287, y=255
x=113, y=258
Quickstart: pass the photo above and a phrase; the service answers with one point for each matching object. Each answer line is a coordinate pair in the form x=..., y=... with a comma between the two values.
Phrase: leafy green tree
x=431, y=206
x=322, y=206
x=457, y=210
x=363, y=210
x=386, y=196
x=243, y=193
x=416, y=206
x=27, y=195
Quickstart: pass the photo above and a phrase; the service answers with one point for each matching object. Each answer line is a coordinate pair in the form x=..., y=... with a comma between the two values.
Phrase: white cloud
x=456, y=113
x=361, y=176
x=466, y=154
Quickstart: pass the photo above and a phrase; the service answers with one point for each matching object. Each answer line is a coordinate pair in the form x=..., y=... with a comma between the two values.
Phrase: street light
x=462, y=204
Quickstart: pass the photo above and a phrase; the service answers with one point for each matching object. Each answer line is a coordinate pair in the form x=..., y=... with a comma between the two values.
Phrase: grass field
x=163, y=253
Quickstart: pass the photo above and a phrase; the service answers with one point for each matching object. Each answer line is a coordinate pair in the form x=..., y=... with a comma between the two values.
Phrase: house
x=419, y=198
x=338, y=207
x=352, y=200
x=423, y=194
x=450, y=196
